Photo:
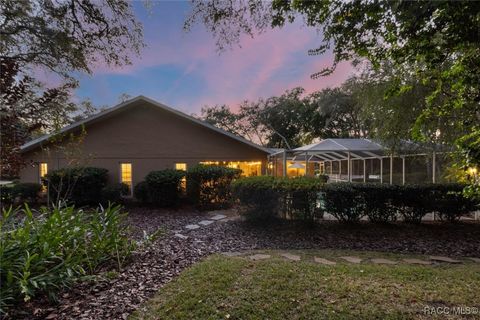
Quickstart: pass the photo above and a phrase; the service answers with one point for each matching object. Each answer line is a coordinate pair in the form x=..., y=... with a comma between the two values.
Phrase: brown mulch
x=166, y=257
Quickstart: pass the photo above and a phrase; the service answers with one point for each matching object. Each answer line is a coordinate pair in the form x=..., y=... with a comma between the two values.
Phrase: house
x=137, y=137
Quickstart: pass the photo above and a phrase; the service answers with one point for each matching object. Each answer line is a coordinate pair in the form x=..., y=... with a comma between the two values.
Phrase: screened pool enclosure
x=362, y=160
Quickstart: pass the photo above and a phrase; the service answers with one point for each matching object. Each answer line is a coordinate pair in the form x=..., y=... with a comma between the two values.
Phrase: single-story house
x=136, y=137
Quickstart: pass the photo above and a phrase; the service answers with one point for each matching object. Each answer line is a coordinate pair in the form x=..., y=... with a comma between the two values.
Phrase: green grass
x=236, y=288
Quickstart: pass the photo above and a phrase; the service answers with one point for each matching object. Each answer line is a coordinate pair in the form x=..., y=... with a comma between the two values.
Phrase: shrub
x=412, y=202
x=140, y=192
x=343, y=202
x=6, y=196
x=301, y=198
x=209, y=187
x=164, y=187
x=51, y=249
x=449, y=202
x=323, y=178
x=114, y=193
x=377, y=201
x=26, y=192
x=258, y=198
x=78, y=185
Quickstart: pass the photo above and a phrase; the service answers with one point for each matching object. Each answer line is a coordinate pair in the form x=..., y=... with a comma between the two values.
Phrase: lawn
x=223, y=287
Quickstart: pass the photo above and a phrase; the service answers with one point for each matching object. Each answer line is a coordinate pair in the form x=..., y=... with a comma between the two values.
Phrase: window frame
x=130, y=191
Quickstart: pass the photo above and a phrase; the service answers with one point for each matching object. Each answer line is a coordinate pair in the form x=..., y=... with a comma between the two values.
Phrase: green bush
x=412, y=202
x=344, y=202
x=78, y=185
x=377, y=201
x=140, y=192
x=209, y=187
x=264, y=198
x=52, y=248
x=163, y=187
x=6, y=196
x=114, y=193
x=26, y=192
x=259, y=199
x=300, y=198
x=449, y=202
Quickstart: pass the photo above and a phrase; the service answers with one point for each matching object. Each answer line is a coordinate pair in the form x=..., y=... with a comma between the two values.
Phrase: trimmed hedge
x=265, y=198
x=209, y=187
x=259, y=198
x=161, y=188
x=307, y=198
x=114, y=193
x=79, y=185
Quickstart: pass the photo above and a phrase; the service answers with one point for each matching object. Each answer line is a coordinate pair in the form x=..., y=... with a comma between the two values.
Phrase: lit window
x=183, y=167
x=126, y=175
x=42, y=170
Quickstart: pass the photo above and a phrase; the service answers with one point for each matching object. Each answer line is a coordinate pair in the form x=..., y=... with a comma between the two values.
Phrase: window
x=126, y=175
x=183, y=167
x=42, y=170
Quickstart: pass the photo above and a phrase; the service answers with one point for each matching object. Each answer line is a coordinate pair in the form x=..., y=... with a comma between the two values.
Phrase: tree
x=438, y=42
x=66, y=36
x=27, y=111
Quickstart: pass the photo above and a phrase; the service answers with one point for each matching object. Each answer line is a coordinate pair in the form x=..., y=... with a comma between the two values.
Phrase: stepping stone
x=356, y=260
x=206, y=222
x=232, y=254
x=324, y=261
x=417, y=261
x=218, y=217
x=383, y=261
x=477, y=260
x=259, y=256
x=192, y=226
x=444, y=259
x=290, y=256
x=181, y=236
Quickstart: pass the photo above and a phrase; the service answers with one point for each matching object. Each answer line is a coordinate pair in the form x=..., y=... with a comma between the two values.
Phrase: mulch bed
x=166, y=257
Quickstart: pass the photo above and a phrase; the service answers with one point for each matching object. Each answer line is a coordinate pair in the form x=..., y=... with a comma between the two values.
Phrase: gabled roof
x=39, y=141
x=343, y=145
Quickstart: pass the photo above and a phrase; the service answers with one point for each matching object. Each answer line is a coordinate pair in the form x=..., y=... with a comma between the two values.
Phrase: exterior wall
x=148, y=137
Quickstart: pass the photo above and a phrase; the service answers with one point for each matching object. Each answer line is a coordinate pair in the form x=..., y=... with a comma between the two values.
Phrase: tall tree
x=26, y=111
x=67, y=36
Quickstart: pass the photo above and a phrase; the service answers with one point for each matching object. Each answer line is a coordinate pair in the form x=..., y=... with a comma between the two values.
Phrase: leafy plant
x=78, y=185
x=44, y=251
x=209, y=187
x=163, y=187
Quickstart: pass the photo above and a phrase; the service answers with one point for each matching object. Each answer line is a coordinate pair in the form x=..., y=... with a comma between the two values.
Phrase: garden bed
x=117, y=294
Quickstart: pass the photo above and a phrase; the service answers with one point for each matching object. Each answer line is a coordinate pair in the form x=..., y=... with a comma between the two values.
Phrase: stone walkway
x=203, y=223
x=431, y=260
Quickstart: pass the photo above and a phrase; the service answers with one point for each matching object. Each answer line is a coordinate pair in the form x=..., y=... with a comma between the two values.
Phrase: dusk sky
x=185, y=71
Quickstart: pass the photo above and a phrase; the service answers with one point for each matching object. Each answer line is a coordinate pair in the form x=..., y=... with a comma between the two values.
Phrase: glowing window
x=126, y=175
x=43, y=170
x=183, y=167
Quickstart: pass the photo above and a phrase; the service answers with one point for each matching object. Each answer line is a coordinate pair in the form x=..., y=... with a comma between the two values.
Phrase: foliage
x=378, y=201
x=140, y=192
x=6, y=195
x=448, y=201
x=343, y=202
x=114, y=193
x=293, y=118
x=26, y=192
x=50, y=249
x=209, y=187
x=259, y=200
x=69, y=35
x=163, y=187
x=265, y=198
x=79, y=185
x=432, y=49
x=469, y=146
x=27, y=111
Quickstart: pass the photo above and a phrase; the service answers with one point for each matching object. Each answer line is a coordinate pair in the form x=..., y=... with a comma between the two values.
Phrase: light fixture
x=296, y=165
